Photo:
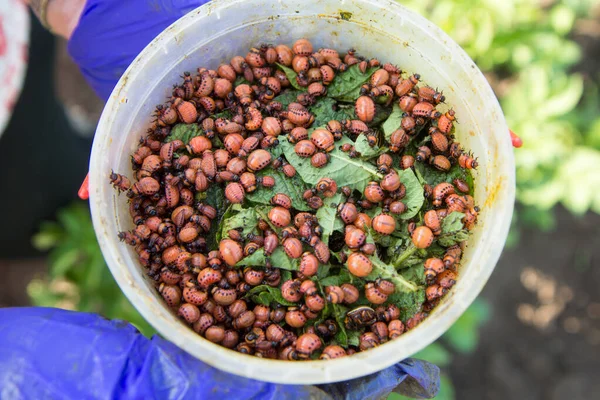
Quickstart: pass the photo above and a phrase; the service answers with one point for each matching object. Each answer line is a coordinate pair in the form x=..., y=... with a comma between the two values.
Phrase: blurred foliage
x=78, y=278
x=525, y=48
x=462, y=337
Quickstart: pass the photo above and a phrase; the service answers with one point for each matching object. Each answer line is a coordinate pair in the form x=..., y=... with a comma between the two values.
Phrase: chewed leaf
x=414, y=193
x=328, y=218
x=452, y=238
x=409, y=303
x=345, y=171
x=326, y=109
x=245, y=218
x=452, y=222
x=365, y=150
x=293, y=187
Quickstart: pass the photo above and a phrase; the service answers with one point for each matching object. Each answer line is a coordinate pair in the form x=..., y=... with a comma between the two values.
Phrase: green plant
x=78, y=278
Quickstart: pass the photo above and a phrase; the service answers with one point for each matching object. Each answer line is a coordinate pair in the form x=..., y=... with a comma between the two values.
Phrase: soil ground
x=543, y=339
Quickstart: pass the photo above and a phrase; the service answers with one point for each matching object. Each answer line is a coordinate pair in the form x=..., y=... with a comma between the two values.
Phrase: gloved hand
x=111, y=33
x=58, y=354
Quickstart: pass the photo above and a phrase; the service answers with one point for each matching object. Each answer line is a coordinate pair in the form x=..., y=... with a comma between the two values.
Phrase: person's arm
x=59, y=16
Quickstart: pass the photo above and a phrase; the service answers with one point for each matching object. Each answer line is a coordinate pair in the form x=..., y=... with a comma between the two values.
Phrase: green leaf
x=450, y=239
x=409, y=303
x=291, y=75
x=452, y=230
x=245, y=218
x=323, y=271
x=328, y=218
x=278, y=260
x=274, y=294
x=452, y=222
x=240, y=80
x=337, y=280
x=293, y=187
x=344, y=170
x=382, y=113
x=215, y=196
x=327, y=109
x=287, y=96
x=392, y=122
x=387, y=271
x=184, y=132
x=339, y=313
x=346, y=85
x=353, y=338
x=433, y=177
x=414, y=198
x=225, y=114
x=366, y=151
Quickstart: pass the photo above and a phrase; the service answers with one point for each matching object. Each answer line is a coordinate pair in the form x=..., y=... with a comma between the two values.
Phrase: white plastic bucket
x=376, y=28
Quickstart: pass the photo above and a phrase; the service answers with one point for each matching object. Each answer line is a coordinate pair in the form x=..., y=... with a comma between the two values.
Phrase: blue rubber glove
x=58, y=354
x=111, y=33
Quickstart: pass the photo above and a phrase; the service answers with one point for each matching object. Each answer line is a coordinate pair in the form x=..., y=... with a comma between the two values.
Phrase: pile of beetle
x=300, y=204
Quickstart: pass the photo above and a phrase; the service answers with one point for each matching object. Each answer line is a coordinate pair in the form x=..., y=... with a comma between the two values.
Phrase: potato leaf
x=452, y=222
x=366, y=151
x=184, y=132
x=328, y=218
x=337, y=280
x=265, y=294
x=409, y=302
x=387, y=271
x=287, y=96
x=414, y=193
x=432, y=176
x=225, y=114
x=323, y=271
x=450, y=239
x=278, y=260
x=240, y=80
x=346, y=85
x=382, y=113
x=291, y=75
x=326, y=109
x=339, y=313
x=293, y=187
x=215, y=196
x=392, y=122
x=452, y=230
x=245, y=218
x=353, y=338
x=344, y=170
